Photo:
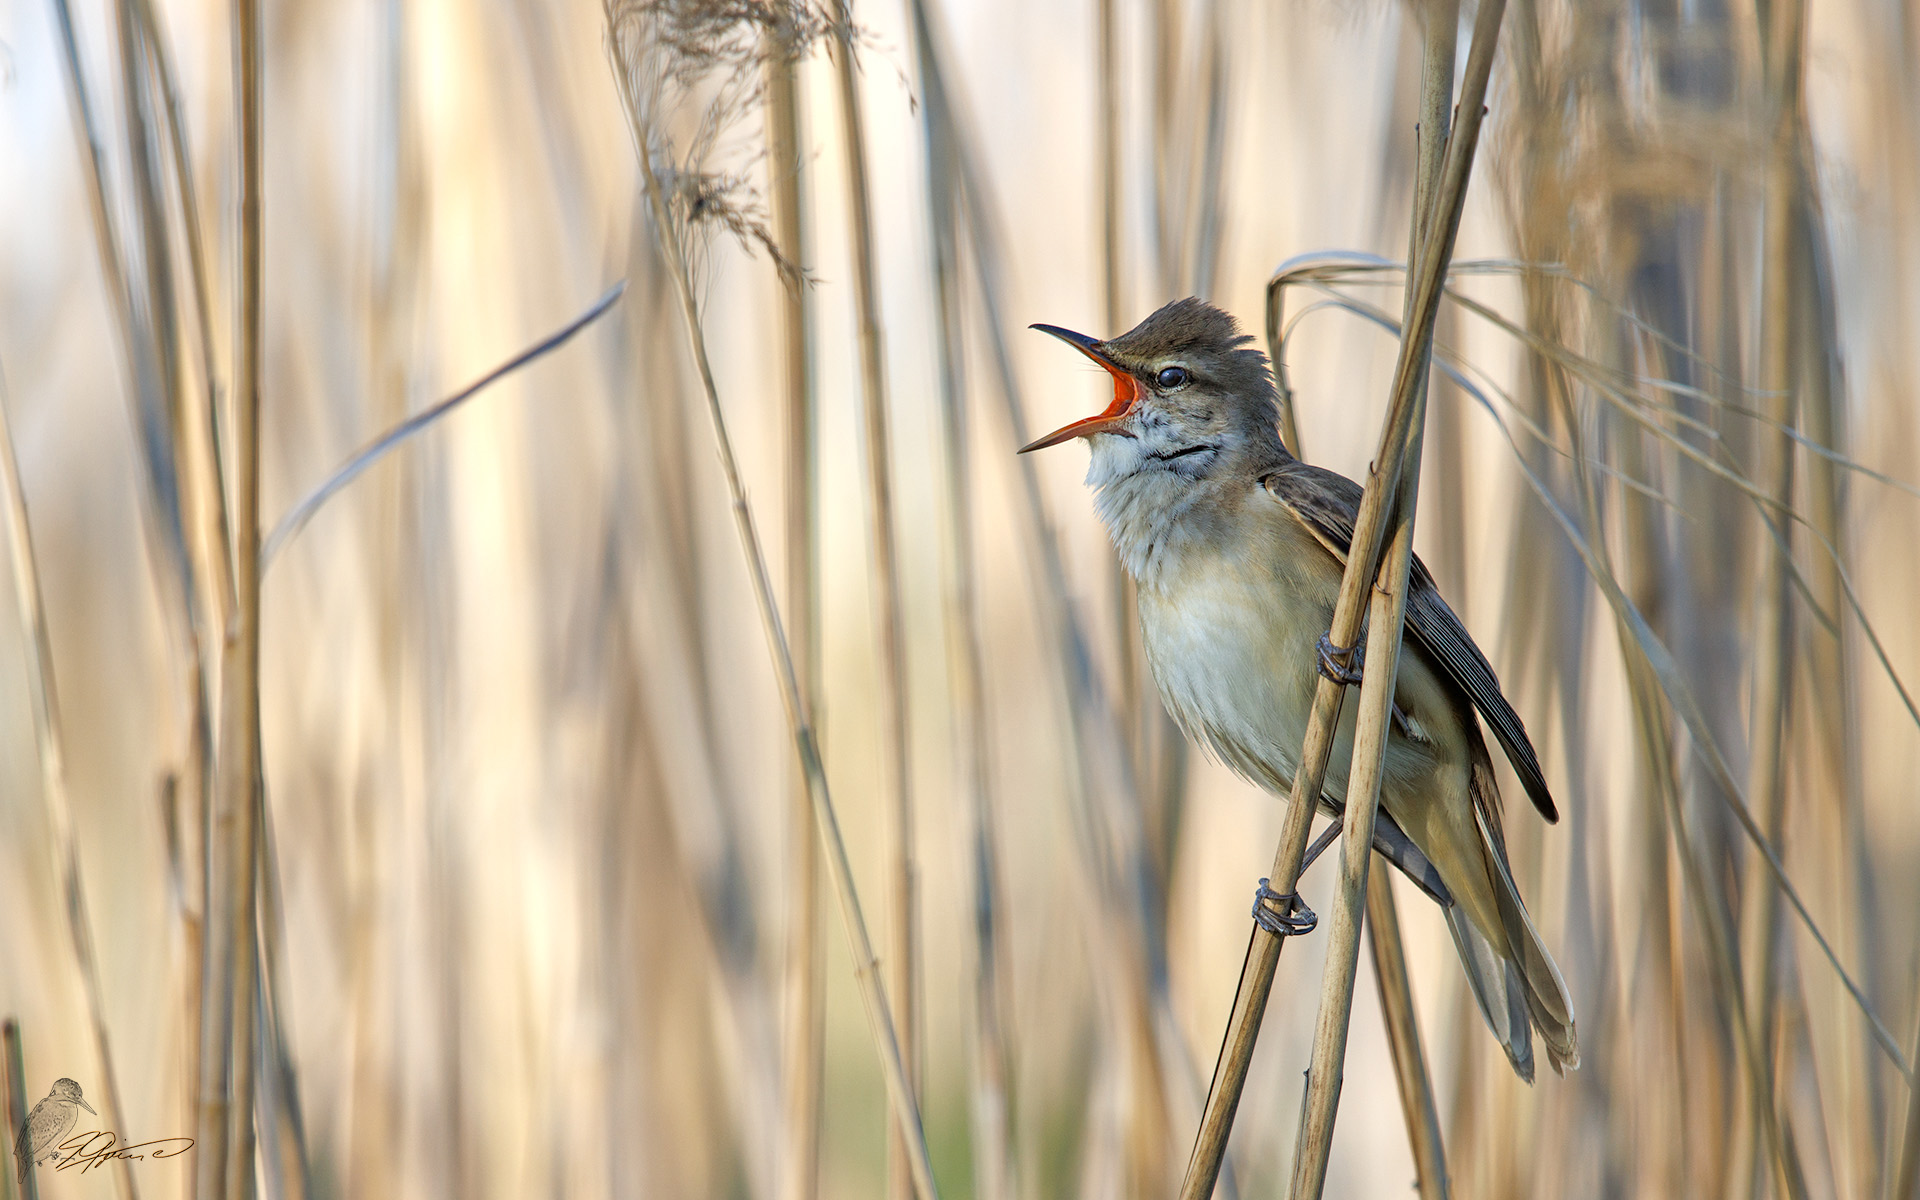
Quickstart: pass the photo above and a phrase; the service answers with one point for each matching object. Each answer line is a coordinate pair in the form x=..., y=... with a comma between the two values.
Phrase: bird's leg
x=1282, y=915
x=1320, y=844
x=1343, y=666
x=1340, y=663
x=1285, y=914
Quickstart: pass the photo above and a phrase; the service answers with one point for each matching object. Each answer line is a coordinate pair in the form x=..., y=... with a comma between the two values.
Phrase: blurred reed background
x=540, y=904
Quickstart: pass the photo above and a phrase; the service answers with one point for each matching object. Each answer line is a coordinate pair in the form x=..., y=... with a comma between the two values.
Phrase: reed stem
x=239, y=793
x=873, y=992
x=16, y=1108
x=805, y=964
x=1386, y=613
x=902, y=958
x=1362, y=557
x=1403, y=1034
x=988, y=1014
x=50, y=742
x=1773, y=618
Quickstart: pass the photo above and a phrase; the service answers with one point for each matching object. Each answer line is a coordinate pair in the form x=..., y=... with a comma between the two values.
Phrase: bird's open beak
x=1126, y=393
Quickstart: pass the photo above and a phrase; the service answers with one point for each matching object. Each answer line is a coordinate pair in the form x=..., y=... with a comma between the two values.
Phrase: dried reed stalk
x=805, y=972
x=1904, y=1177
x=1107, y=806
x=1403, y=1035
x=50, y=743
x=1105, y=798
x=1834, y=770
x=987, y=1010
x=1441, y=19
x=902, y=958
x=16, y=1108
x=1441, y=23
x=1386, y=612
x=240, y=794
x=1773, y=617
x=288, y=1168
x=873, y=991
x=203, y=515
x=162, y=522
x=1107, y=114
x=1407, y=398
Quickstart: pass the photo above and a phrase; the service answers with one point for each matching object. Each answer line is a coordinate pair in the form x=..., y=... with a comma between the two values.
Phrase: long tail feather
x=1497, y=985
x=1544, y=990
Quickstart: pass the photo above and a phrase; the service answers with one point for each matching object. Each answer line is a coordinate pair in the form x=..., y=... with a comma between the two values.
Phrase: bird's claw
x=1336, y=662
x=1282, y=914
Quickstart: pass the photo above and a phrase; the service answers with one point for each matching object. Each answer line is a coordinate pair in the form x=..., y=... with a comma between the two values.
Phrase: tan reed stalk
x=1163, y=147
x=1441, y=19
x=391, y=533
x=289, y=1170
x=1904, y=1177
x=1276, y=324
x=987, y=1012
x=805, y=965
x=1441, y=22
x=1403, y=1034
x=1830, y=691
x=203, y=500
x=1205, y=219
x=1406, y=399
x=1386, y=611
x=203, y=434
x=1107, y=38
x=50, y=742
x=873, y=992
x=16, y=1106
x=1662, y=1068
x=106, y=234
x=1126, y=620
x=805, y=977
x=902, y=959
x=1111, y=842
x=1773, y=617
x=234, y=940
x=1647, y=682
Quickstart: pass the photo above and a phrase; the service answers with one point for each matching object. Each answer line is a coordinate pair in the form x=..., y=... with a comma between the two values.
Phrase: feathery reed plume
x=643, y=38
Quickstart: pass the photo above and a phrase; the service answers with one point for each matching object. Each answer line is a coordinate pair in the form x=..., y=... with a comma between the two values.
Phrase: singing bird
x=1237, y=549
x=47, y=1124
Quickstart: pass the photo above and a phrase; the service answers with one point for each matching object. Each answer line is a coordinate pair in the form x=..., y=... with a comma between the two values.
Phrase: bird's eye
x=1173, y=377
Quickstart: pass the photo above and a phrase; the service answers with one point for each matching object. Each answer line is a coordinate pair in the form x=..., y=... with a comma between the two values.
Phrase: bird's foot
x=1338, y=663
x=1282, y=914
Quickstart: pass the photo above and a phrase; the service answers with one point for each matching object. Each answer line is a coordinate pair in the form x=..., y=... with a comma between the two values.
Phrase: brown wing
x=1327, y=503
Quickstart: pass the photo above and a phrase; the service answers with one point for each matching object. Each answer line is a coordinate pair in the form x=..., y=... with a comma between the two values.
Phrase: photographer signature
x=89, y=1150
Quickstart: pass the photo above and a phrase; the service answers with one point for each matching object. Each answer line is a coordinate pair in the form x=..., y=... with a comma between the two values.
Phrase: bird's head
x=1189, y=395
x=69, y=1091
